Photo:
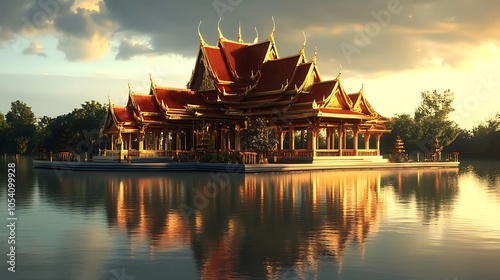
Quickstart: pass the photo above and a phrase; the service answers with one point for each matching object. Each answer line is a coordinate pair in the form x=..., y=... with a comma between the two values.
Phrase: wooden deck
x=343, y=163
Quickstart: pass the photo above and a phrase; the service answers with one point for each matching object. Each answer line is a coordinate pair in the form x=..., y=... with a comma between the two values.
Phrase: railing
x=327, y=153
x=289, y=154
x=437, y=157
x=348, y=152
x=367, y=152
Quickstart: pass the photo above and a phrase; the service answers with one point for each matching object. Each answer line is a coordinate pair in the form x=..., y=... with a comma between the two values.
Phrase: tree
x=3, y=134
x=431, y=116
x=404, y=126
x=21, y=127
x=256, y=136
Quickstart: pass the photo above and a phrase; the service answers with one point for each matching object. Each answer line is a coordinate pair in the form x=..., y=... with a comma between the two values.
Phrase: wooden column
x=328, y=138
x=302, y=139
x=177, y=139
x=140, y=141
x=314, y=140
x=344, y=138
x=355, y=132
x=281, y=138
x=333, y=138
x=237, y=145
x=113, y=143
x=291, y=138
x=129, y=145
x=367, y=140
x=377, y=137
x=341, y=139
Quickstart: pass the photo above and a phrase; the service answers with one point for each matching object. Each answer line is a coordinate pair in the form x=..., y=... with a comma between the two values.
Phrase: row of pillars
x=330, y=138
x=184, y=139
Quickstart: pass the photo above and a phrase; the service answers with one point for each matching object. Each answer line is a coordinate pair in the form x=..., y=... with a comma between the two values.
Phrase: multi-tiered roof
x=235, y=80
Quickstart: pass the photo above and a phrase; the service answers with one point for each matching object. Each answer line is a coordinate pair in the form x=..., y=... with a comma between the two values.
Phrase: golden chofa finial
x=202, y=42
x=256, y=36
x=240, y=40
x=340, y=72
x=151, y=79
x=362, y=89
x=129, y=88
x=313, y=59
x=271, y=36
x=110, y=102
x=305, y=40
x=218, y=29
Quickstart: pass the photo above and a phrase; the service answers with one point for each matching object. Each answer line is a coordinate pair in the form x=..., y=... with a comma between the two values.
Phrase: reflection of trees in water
x=24, y=181
x=484, y=170
x=434, y=190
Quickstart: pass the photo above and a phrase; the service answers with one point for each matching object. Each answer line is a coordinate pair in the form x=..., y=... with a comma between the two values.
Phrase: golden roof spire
x=313, y=59
x=218, y=29
x=202, y=42
x=362, y=90
x=240, y=40
x=305, y=40
x=257, y=36
x=110, y=103
x=129, y=88
x=340, y=73
x=271, y=36
x=151, y=79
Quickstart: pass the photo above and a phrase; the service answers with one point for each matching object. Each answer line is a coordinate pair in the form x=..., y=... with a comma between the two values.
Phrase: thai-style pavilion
x=233, y=82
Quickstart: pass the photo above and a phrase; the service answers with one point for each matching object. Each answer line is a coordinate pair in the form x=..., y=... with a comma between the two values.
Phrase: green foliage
x=482, y=139
x=67, y=131
x=431, y=117
x=430, y=121
x=20, y=128
x=256, y=136
x=21, y=133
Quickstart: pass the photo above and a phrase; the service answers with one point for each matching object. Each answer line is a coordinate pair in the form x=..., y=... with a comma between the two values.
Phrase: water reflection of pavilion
x=262, y=225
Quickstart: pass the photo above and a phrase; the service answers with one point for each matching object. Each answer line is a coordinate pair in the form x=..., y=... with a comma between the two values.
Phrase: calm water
x=402, y=224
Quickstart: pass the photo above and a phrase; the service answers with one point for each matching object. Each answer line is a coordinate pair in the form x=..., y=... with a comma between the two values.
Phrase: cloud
x=130, y=48
x=388, y=35
x=34, y=49
x=85, y=48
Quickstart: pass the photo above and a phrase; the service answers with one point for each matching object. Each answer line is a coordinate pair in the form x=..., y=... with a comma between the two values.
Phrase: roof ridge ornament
x=257, y=36
x=339, y=74
x=313, y=59
x=218, y=29
x=202, y=42
x=151, y=79
x=110, y=103
x=271, y=36
x=362, y=89
x=240, y=40
x=305, y=41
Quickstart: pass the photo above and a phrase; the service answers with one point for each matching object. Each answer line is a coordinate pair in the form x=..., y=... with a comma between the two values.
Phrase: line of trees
x=22, y=133
x=431, y=121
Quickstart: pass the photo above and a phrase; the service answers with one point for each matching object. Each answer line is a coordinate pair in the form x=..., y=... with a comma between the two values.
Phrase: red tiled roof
x=300, y=75
x=275, y=73
x=146, y=103
x=217, y=62
x=354, y=97
x=322, y=89
x=178, y=98
x=231, y=51
x=123, y=114
x=243, y=58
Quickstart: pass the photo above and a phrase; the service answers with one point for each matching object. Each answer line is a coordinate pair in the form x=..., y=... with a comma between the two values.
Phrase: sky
x=57, y=54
